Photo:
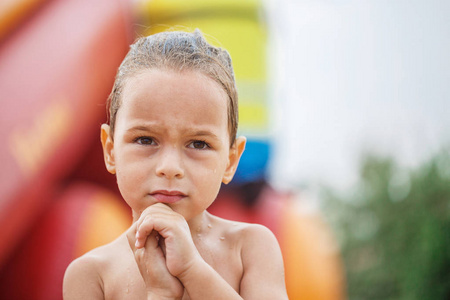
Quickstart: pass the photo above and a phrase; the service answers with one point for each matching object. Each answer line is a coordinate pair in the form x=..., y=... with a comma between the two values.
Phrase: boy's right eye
x=144, y=140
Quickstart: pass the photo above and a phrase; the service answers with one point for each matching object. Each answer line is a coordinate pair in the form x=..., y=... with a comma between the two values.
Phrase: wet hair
x=177, y=51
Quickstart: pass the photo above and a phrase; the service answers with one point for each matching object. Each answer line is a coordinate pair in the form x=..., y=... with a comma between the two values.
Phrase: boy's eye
x=198, y=145
x=144, y=140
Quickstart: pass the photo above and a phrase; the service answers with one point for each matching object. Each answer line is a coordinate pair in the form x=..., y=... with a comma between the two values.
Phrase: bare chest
x=123, y=280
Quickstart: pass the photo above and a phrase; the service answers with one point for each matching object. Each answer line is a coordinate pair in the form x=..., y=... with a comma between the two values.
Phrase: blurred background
x=344, y=103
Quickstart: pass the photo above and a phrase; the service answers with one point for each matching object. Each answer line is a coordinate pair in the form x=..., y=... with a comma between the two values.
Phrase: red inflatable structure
x=57, y=66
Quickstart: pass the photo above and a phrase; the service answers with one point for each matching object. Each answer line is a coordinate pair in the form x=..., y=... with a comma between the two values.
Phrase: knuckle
x=146, y=219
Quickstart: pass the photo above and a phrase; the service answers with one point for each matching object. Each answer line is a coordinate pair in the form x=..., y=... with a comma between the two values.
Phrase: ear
x=108, y=148
x=233, y=159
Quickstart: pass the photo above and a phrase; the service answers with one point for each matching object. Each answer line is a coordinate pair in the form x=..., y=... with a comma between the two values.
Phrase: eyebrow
x=189, y=132
x=139, y=128
x=204, y=133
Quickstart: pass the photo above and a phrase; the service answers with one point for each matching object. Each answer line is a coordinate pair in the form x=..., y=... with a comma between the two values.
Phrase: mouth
x=164, y=196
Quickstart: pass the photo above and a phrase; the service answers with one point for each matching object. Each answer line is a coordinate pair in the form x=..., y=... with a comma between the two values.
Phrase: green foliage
x=394, y=230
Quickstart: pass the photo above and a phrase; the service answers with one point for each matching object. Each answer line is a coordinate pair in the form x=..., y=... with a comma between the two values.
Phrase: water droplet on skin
x=222, y=238
x=127, y=291
x=209, y=226
x=199, y=235
x=215, y=171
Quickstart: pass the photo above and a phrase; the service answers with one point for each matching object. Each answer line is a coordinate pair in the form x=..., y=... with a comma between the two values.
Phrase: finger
x=145, y=223
x=153, y=221
x=160, y=218
x=147, y=253
x=132, y=241
x=151, y=245
x=150, y=259
x=144, y=228
x=131, y=236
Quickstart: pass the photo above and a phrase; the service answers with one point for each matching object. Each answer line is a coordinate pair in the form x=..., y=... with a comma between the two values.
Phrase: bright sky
x=355, y=75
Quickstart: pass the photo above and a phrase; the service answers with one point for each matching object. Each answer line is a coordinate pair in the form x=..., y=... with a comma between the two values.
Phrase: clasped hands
x=164, y=250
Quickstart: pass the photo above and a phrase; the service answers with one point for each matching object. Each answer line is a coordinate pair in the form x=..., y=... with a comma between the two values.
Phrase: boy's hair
x=177, y=51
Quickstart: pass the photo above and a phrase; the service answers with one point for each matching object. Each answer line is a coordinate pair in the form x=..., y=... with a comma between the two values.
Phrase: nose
x=170, y=164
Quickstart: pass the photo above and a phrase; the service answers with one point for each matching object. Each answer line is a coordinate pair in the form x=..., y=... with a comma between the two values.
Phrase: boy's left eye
x=198, y=145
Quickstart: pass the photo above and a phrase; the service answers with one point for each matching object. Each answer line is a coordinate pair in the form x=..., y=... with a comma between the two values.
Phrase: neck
x=199, y=224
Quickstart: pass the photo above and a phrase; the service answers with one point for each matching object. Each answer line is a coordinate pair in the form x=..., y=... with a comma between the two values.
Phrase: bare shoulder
x=257, y=241
x=84, y=278
x=255, y=234
x=263, y=274
x=248, y=235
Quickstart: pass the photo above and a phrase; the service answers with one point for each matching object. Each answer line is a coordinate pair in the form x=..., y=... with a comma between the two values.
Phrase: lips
x=164, y=196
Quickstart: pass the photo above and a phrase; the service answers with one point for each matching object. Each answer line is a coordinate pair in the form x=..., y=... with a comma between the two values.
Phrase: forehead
x=170, y=95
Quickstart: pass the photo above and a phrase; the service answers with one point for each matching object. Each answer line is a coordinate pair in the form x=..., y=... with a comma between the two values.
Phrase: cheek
x=129, y=177
x=124, y=184
x=210, y=179
x=210, y=169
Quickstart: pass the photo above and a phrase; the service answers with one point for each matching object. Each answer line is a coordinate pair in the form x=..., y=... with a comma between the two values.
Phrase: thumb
x=131, y=236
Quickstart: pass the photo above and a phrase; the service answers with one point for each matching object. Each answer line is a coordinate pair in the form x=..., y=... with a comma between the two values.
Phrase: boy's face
x=171, y=142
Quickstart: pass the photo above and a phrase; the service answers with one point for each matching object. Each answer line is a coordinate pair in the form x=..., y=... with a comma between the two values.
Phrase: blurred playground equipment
x=57, y=65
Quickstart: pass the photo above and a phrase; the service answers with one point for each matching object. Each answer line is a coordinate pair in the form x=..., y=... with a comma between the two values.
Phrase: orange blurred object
x=313, y=264
x=13, y=12
x=312, y=261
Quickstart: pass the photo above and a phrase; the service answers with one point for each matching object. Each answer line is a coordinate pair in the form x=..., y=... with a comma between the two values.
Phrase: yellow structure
x=239, y=27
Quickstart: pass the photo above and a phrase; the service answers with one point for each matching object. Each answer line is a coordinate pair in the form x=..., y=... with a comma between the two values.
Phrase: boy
x=171, y=142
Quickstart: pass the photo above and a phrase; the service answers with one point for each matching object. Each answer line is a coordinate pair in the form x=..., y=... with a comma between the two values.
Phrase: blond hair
x=177, y=51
